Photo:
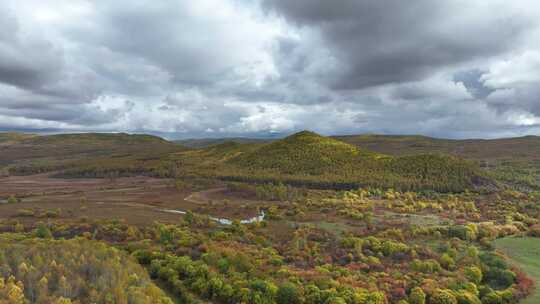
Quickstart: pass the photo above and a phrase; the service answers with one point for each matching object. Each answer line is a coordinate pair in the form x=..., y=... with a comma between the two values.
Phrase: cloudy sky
x=212, y=68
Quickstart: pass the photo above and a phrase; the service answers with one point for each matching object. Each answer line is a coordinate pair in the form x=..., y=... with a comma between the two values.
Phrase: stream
x=222, y=221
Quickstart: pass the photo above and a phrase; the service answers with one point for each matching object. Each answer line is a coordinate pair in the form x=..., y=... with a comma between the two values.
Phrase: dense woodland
x=76, y=271
x=378, y=260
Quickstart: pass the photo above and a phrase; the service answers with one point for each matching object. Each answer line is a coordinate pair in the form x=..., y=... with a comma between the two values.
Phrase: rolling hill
x=309, y=159
x=305, y=152
x=197, y=143
x=512, y=161
x=526, y=147
x=303, y=159
x=8, y=138
x=36, y=154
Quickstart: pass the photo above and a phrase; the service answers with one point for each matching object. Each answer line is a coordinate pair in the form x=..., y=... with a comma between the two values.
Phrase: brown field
x=137, y=200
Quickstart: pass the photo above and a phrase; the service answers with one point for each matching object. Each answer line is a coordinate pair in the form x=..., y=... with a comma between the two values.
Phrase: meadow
x=525, y=253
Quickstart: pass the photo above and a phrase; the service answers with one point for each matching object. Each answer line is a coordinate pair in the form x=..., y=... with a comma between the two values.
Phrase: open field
x=138, y=200
x=525, y=252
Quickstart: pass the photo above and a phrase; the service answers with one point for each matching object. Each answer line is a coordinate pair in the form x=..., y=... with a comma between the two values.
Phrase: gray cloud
x=234, y=67
x=472, y=80
x=379, y=42
x=25, y=60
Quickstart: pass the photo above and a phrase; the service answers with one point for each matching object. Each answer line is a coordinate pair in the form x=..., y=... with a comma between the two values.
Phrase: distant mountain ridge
x=207, y=142
x=28, y=154
x=475, y=149
x=304, y=158
x=401, y=145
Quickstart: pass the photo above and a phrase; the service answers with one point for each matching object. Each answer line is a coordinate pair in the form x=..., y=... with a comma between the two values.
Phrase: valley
x=306, y=219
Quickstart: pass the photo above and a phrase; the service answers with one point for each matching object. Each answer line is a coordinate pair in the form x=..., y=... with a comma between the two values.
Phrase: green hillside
x=513, y=161
x=305, y=152
x=302, y=159
x=308, y=159
x=477, y=149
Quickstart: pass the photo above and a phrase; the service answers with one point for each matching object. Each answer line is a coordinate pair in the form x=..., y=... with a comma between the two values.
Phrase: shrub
x=25, y=213
x=13, y=199
x=43, y=232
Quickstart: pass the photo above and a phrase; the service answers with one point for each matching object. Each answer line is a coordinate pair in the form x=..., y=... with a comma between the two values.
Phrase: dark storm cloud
x=380, y=42
x=27, y=62
x=180, y=37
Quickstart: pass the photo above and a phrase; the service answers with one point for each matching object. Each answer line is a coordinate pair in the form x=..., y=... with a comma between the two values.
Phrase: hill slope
x=7, y=138
x=36, y=154
x=312, y=160
x=513, y=161
x=303, y=159
x=305, y=152
x=72, y=144
x=476, y=149
x=197, y=143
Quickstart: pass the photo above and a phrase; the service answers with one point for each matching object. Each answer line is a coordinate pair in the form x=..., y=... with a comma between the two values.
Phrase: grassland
x=525, y=253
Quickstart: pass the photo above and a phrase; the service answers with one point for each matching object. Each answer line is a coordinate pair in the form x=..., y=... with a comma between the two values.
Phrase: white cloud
x=516, y=71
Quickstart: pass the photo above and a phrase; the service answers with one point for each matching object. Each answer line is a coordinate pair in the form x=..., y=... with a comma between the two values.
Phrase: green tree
x=474, y=274
x=443, y=296
x=465, y=297
x=42, y=231
x=336, y=300
x=417, y=296
x=189, y=217
x=287, y=294
x=447, y=262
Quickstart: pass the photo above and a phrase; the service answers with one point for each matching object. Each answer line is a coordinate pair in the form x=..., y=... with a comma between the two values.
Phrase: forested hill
x=302, y=159
x=305, y=152
x=22, y=146
x=308, y=159
x=30, y=154
x=527, y=147
x=513, y=161
x=477, y=149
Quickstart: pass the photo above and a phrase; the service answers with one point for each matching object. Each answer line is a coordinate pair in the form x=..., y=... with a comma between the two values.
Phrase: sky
x=221, y=68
